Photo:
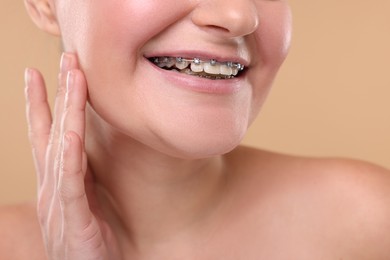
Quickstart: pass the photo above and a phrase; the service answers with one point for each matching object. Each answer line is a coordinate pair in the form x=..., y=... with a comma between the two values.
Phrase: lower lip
x=203, y=85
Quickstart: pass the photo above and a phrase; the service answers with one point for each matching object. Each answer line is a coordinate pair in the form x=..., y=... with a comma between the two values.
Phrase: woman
x=150, y=167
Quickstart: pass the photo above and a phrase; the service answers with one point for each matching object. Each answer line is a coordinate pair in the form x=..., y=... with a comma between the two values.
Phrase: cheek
x=271, y=42
x=107, y=36
x=95, y=29
x=274, y=34
x=111, y=33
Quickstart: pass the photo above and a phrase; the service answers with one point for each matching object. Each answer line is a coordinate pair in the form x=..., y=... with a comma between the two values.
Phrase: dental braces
x=198, y=61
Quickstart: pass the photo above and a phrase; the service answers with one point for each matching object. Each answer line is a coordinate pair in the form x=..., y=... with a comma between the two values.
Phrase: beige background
x=330, y=99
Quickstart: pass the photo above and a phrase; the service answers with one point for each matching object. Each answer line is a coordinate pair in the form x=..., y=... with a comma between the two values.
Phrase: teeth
x=197, y=61
x=212, y=69
x=235, y=71
x=160, y=64
x=226, y=70
x=197, y=66
x=171, y=63
x=181, y=64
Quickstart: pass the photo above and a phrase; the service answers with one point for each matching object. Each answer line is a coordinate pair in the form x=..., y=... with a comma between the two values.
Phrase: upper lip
x=202, y=55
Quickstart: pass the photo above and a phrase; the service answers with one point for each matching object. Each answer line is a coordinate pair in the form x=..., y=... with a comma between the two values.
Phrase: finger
x=75, y=102
x=39, y=118
x=71, y=188
x=68, y=63
x=53, y=153
x=73, y=121
x=47, y=198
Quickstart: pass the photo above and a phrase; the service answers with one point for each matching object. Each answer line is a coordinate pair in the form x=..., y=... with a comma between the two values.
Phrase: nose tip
x=239, y=23
x=234, y=18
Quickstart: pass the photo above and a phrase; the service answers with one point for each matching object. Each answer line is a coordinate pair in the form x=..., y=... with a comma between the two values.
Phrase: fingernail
x=69, y=81
x=65, y=62
x=27, y=76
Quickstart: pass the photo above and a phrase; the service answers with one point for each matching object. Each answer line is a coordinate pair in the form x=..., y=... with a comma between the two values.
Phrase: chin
x=198, y=145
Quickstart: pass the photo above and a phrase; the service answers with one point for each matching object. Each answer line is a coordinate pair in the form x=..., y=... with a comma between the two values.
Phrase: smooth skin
x=116, y=180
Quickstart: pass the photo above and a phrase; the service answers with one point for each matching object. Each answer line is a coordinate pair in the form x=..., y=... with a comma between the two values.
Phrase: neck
x=151, y=197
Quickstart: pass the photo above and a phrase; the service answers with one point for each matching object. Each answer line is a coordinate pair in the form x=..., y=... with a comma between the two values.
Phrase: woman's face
x=118, y=41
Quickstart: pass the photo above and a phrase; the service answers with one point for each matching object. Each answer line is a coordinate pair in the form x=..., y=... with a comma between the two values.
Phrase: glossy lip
x=197, y=84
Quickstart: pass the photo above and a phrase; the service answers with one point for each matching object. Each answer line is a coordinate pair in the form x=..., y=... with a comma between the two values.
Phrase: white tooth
x=211, y=69
x=234, y=71
x=226, y=70
x=196, y=67
x=181, y=65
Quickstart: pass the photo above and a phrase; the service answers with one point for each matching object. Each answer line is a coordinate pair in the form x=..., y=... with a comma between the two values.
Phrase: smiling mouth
x=210, y=69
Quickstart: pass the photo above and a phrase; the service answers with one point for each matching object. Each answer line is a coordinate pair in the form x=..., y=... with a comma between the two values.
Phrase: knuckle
x=91, y=237
x=68, y=197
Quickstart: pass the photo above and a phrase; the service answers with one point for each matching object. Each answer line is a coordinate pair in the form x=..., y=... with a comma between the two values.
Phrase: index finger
x=39, y=118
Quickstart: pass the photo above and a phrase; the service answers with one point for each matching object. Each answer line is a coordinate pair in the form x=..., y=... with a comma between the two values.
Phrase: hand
x=67, y=212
